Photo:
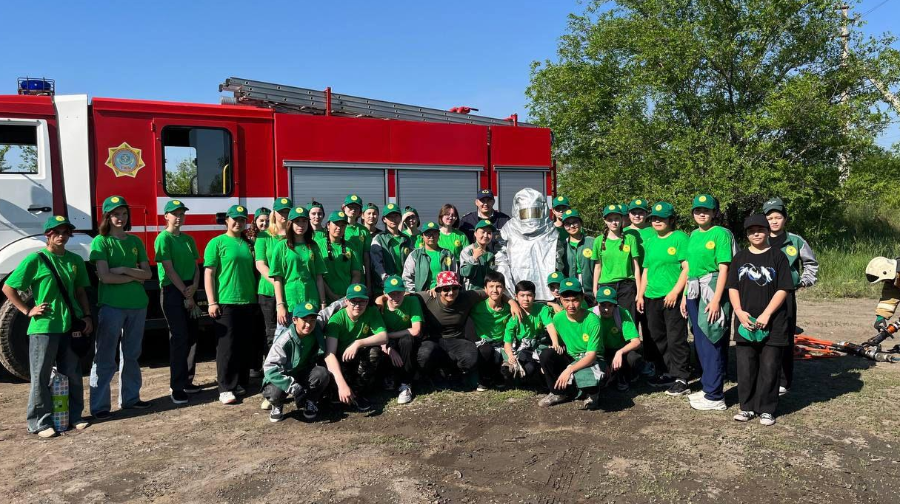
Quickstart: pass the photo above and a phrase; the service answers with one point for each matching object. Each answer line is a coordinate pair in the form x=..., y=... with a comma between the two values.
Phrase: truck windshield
x=197, y=161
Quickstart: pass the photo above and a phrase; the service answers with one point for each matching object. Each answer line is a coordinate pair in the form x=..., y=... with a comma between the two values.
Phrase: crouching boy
x=291, y=366
x=489, y=318
x=571, y=366
x=620, y=338
x=524, y=339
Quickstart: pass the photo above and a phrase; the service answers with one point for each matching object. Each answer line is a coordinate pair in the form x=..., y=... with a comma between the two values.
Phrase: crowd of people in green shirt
x=336, y=308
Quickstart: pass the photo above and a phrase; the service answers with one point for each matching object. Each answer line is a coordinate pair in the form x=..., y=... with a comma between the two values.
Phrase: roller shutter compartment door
x=330, y=186
x=512, y=181
x=427, y=191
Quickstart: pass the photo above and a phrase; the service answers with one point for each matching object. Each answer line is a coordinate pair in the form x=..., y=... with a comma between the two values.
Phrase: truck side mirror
x=220, y=218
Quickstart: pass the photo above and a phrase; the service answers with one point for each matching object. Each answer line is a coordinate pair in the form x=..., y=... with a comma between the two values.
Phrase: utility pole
x=843, y=164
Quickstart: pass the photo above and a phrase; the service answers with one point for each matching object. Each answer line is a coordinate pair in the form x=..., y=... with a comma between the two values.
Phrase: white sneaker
x=744, y=416
x=406, y=395
x=766, y=419
x=240, y=391
x=704, y=404
x=227, y=398
x=782, y=391
x=265, y=404
x=696, y=395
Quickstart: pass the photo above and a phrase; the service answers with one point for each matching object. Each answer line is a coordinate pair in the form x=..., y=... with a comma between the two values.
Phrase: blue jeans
x=45, y=350
x=115, y=326
x=713, y=356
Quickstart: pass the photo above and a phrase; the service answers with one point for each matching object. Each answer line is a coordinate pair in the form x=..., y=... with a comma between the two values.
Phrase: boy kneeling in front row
x=571, y=365
x=525, y=338
x=291, y=366
x=620, y=339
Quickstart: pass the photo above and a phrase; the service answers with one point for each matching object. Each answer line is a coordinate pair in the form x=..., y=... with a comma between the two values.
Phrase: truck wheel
x=14, y=339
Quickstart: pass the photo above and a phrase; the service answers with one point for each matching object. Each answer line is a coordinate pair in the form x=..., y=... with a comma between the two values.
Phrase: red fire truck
x=64, y=155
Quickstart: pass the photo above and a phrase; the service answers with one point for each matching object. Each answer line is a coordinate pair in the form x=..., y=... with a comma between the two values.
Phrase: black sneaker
x=310, y=411
x=276, y=414
x=662, y=380
x=192, y=389
x=680, y=387
x=139, y=405
x=102, y=415
x=179, y=397
x=362, y=404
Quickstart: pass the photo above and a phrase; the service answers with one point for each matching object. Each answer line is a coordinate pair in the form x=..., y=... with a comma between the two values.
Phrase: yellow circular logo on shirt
x=365, y=329
x=672, y=250
x=134, y=250
x=626, y=248
x=710, y=245
x=607, y=292
x=357, y=288
x=585, y=337
x=341, y=214
x=406, y=250
x=354, y=198
x=240, y=209
x=394, y=282
x=587, y=253
x=791, y=251
x=283, y=201
x=308, y=306
x=612, y=207
x=60, y=218
x=115, y=199
x=615, y=330
x=659, y=207
x=447, y=261
x=405, y=317
x=347, y=254
x=457, y=243
x=702, y=199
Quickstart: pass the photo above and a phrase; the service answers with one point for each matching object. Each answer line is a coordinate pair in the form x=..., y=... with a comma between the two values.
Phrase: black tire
x=14, y=339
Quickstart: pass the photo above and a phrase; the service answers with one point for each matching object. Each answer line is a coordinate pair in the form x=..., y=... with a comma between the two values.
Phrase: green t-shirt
x=409, y=311
x=358, y=238
x=181, y=250
x=454, y=242
x=662, y=260
x=434, y=261
x=33, y=274
x=616, y=263
x=615, y=338
x=340, y=264
x=233, y=260
x=298, y=268
x=530, y=327
x=579, y=337
x=128, y=252
x=346, y=331
x=489, y=324
x=707, y=249
x=263, y=249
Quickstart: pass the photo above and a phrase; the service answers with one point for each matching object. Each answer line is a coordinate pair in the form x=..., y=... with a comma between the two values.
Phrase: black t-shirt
x=449, y=321
x=757, y=277
x=468, y=222
x=778, y=241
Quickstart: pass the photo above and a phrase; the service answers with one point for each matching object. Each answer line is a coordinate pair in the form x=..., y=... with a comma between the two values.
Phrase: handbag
x=78, y=325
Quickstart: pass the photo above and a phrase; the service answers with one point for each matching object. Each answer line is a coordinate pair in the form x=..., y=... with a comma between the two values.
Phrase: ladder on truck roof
x=312, y=101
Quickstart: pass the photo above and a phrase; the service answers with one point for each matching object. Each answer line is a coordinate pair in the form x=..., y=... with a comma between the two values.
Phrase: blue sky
x=439, y=54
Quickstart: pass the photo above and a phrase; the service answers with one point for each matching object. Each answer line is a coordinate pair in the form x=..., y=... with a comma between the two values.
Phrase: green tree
x=743, y=99
x=182, y=181
x=3, y=163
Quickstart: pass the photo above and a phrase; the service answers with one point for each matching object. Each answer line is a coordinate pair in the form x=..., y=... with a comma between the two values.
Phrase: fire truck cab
x=65, y=154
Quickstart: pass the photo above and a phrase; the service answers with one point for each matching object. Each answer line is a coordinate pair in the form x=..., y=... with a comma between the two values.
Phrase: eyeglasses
x=358, y=302
x=450, y=288
x=571, y=223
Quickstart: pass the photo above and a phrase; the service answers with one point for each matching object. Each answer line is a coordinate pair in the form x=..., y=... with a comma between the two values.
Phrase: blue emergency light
x=36, y=87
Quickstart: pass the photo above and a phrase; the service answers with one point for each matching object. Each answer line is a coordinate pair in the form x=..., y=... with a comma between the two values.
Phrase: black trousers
x=456, y=352
x=263, y=341
x=630, y=362
x=553, y=364
x=532, y=367
x=314, y=381
x=758, y=369
x=233, y=329
x=408, y=348
x=787, y=360
x=360, y=372
x=489, y=361
x=182, y=338
x=668, y=332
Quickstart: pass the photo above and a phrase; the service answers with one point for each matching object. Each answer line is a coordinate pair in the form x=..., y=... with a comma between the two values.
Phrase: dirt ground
x=836, y=440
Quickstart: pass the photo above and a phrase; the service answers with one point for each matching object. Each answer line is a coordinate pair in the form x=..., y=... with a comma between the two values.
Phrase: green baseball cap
x=484, y=223
x=662, y=210
x=113, y=202
x=261, y=211
x=570, y=285
x=613, y=209
x=298, y=212
x=639, y=203
x=337, y=216
x=237, y=212
x=314, y=204
x=173, y=205
x=607, y=295
x=303, y=310
x=391, y=208
x=431, y=226
x=411, y=209
x=555, y=278
x=774, y=205
x=560, y=201
x=353, y=199
x=393, y=283
x=756, y=335
x=357, y=291
x=371, y=206
x=282, y=204
x=705, y=201
x=55, y=221
x=571, y=214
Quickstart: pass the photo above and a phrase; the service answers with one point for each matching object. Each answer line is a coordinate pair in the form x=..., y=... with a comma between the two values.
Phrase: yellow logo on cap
x=487, y=222
x=394, y=282
x=298, y=210
x=283, y=201
x=638, y=202
x=308, y=306
x=357, y=288
x=560, y=198
x=60, y=218
x=702, y=199
x=672, y=250
x=607, y=292
x=240, y=209
x=585, y=337
x=791, y=251
x=114, y=199
x=555, y=275
x=587, y=253
x=391, y=206
x=568, y=212
x=484, y=191
x=430, y=225
x=569, y=284
x=658, y=207
x=626, y=248
x=176, y=202
x=354, y=198
x=612, y=207
x=710, y=245
x=341, y=214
